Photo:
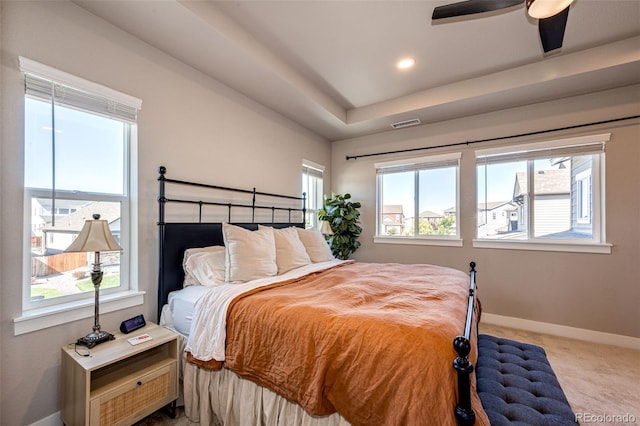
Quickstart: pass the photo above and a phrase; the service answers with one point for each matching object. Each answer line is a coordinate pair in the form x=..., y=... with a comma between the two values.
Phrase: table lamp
x=325, y=229
x=96, y=237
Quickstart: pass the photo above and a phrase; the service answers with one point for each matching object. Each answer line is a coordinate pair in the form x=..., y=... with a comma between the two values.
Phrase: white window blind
x=420, y=163
x=312, y=171
x=46, y=83
x=586, y=145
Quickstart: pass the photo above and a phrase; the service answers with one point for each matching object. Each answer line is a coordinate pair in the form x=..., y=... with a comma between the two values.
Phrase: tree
x=442, y=226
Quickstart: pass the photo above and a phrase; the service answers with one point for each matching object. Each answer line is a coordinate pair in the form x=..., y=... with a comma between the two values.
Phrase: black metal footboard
x=464, y=367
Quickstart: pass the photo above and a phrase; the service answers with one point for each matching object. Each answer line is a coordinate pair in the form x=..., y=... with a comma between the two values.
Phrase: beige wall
x=193, y=125
x=590, y=291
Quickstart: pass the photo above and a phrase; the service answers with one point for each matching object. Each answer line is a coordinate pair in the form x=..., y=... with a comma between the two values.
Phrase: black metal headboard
x=176, y=237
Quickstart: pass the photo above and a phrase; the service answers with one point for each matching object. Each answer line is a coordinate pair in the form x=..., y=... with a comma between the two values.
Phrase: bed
x=315, y=341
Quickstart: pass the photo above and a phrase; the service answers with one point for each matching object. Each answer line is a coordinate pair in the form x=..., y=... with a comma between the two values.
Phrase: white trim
x=538, y=146
x=420, y=241
x=51, y=420
x=36, y=68
x=419, y=160
x=38, y=319
x=312, y=165
x=599, y=216
x=583, y=180
x=571, y=247
x=562, y=331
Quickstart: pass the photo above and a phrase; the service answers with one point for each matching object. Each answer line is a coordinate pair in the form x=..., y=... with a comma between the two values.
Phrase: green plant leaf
x=343, y=216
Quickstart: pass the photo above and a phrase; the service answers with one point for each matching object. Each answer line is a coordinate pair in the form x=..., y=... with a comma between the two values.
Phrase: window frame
x=39, y=314
x=125, y=259
x=582, y=145
x=313, y=171
x=418, y=164
x=584, y=179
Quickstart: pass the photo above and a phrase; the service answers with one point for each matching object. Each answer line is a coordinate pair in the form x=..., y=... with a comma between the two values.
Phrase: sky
x=438, y=187
x=500, y=181
x=89, y=145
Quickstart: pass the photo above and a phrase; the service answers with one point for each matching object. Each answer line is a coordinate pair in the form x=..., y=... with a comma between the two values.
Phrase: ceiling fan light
x=541, y=9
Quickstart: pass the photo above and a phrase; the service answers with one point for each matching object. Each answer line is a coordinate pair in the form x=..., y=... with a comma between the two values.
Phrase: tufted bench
x=517, y=385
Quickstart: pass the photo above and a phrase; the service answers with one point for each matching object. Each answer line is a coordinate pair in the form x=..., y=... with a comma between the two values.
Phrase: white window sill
x=421, y=241
x=38, y=319
x=544, y=246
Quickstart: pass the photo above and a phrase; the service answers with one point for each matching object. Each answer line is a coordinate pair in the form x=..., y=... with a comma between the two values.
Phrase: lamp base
x=94, y=338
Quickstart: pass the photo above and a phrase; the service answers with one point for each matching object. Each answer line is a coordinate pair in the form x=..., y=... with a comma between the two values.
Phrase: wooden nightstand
x=119, y=383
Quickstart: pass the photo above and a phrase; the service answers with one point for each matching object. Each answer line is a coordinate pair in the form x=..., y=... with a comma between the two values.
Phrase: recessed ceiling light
x=405, y=63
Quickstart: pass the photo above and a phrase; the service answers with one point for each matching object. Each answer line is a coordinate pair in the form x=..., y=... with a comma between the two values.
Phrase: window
x=549, y=192
x=417, y=199
x=312, y=187
x=77, y=150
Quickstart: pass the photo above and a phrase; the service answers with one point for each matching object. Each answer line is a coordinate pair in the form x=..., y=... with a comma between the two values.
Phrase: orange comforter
x=371, y=341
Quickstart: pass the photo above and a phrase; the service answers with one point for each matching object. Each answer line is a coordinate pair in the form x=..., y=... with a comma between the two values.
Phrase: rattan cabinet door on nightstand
x=118, y=383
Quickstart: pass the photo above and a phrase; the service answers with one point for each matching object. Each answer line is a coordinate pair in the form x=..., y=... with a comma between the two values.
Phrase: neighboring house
x=42, y=212
x=430, y=217
x=49, y=256
x=392, y=219
x=57, y=238
x=562, y=204
x=497, y=217
x=552, y=201
x=581, y=202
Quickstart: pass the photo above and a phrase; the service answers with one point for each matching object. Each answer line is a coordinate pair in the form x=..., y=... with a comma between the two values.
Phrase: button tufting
x=500, y=371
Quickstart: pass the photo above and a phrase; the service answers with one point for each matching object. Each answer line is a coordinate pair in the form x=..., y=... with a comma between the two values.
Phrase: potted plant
x=343, y=216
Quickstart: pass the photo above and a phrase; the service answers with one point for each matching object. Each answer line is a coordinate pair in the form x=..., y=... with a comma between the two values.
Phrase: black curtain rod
x=538, y=132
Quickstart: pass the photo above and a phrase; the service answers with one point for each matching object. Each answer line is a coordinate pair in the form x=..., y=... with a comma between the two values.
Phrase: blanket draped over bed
x=370, y=341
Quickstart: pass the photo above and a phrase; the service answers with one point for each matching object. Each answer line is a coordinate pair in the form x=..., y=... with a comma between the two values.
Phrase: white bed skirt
x=223, y=398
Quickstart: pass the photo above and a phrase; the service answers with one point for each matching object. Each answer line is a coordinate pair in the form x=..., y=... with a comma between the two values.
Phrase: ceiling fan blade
x=471, y=7
x=552, y=30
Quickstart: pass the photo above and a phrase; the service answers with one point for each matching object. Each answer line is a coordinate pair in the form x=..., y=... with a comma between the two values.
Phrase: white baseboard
x=562, y=331
x=52, y=420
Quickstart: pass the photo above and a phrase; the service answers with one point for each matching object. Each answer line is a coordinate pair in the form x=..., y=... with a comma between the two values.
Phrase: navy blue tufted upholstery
x=517, y=385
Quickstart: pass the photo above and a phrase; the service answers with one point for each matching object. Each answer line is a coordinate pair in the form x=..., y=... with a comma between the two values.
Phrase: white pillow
x=189, y=278
x=250, y=254
x=314, y=242
x=208, y=267
x=290, y=252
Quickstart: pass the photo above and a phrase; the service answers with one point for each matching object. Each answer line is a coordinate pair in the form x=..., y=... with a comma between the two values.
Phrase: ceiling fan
x=551, y=14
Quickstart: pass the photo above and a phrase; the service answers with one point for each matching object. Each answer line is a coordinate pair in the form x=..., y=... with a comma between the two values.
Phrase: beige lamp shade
x=326, y=228
x=94, y=236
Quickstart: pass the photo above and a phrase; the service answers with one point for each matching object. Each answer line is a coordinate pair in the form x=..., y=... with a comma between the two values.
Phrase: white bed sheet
x=200, y=312
x=178, y=313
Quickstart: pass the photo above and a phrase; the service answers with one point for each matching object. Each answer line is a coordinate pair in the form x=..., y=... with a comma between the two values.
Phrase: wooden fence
x=57, y=263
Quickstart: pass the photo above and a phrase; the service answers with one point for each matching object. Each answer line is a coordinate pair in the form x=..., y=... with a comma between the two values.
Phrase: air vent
x=406, y=123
